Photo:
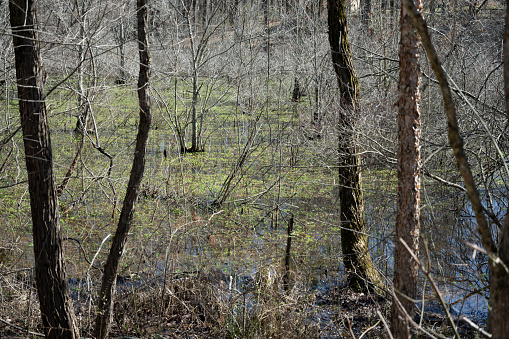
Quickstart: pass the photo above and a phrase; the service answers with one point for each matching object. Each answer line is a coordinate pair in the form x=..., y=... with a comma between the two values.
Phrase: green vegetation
x=193, y=266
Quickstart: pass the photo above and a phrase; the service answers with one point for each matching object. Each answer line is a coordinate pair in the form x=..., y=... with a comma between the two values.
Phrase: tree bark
x=499, y=279
x=195, y=142
x=499, y=287
x=409, y=165
x=506, y=61
x=361, y=273
x=498, y=257
x=58, y=318
x=81, y=121
x=107, y=292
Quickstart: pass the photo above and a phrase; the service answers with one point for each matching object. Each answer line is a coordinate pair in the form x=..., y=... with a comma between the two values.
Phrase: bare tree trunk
x=52, y=287
x=409, y=165
x=287, y=6
x=195, y=143
x=499, y=279
x=81, y=122
x=121, y=36
x=366, y=12
x=196, y=14
x=499, y=287
x=498, y=257
x=107, y=292
x=357, y=260
x=207, y=11
x=265, y=13
x=506, y=61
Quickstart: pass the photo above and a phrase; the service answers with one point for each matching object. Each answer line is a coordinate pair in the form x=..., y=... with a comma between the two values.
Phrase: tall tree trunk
x=409, y=165
x=195, y=142
x=366, y=13
x=52, y=287
x=499, y=287
x=498, y=255
x=357, y=260
x=499, y=279
x=107, y=292
x=122, y=38
x=506, y=60
x=81, y=122
x=266, y=13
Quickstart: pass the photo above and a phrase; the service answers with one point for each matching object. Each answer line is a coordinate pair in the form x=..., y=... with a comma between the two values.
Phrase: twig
x=97, y=252
x=443, y=181
x=350, y=327
x=369, y=329
x=413, y=323
x=82, y=251
x=385, y=324
x=465, y=94
x=477, y=328
x=21, y=329
x=489, y=213
x=496, y=259
x=427, y=273
x=15, y=184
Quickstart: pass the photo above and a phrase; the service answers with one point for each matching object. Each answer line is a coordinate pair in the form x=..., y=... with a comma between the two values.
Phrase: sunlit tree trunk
x=359, y=267
x=81, y=122
x=107, y=292
x=497, y=252
x=58, y=318
x=409, y=165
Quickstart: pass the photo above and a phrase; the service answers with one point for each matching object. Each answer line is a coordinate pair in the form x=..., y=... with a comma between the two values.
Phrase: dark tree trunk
x=286, y=275
x=366, y=12
x=297, y=93
x=357, y=260
x=320, y=8
x=499, y=279
x=499, y=287
x=409, y=165
x=52, y=288
x=266, y=13
x=107, y=292
x=287, y=6
x=506, y=60
x=195, y=135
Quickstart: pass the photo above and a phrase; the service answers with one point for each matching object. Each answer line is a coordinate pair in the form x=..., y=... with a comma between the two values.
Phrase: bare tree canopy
x=267, y=162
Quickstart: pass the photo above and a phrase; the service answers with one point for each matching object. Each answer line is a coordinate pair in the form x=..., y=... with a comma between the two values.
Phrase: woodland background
x=246, y=117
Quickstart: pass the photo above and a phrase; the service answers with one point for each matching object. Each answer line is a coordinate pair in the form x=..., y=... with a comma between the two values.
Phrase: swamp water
x=175, y=236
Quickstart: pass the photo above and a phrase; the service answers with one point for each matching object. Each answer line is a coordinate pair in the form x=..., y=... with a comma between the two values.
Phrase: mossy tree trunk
x=361, y=273
x=58, y=317
x=409, y=166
